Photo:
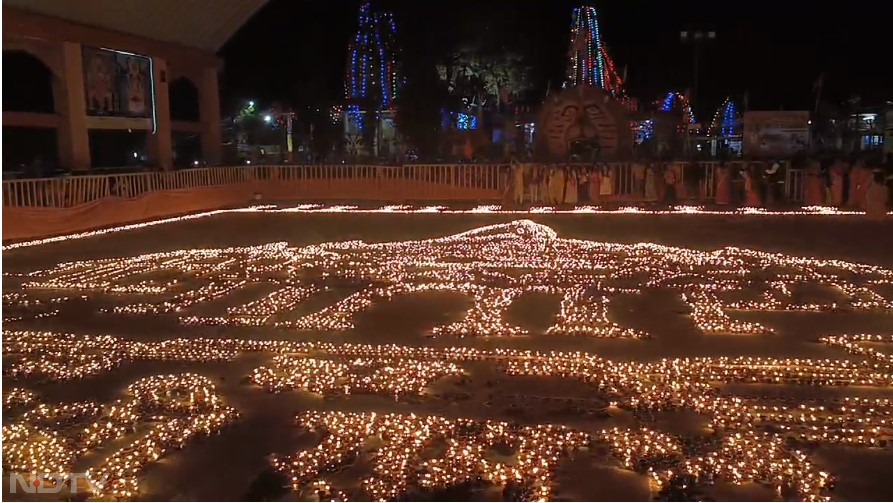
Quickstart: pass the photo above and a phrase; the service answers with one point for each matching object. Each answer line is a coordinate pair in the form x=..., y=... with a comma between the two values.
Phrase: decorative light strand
x=49, y=438
x=494, y=265
x=321, y=208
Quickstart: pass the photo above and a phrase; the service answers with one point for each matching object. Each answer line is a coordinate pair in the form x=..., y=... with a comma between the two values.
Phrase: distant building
x=112, y=68
x=865, y=129
x=370, y=133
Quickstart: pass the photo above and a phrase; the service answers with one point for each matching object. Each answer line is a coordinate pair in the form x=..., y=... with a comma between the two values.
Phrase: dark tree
x=418, y=111
x=484, y=76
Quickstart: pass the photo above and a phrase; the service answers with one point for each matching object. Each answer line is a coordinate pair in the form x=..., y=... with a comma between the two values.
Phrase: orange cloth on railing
x=860, y=179
x=752, y=197
x=814, y=187
x=837, y=174
x=27, y=223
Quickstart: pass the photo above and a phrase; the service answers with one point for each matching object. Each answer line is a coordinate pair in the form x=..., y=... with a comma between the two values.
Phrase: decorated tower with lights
x=725, y=120
x=588, y=60
x=372, y=66
x=675, y=107
x=725, y=128
x=678, y=102
x=669, y=125
x=373, y=80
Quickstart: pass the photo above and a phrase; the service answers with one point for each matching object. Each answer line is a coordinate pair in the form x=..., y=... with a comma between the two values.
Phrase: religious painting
x=134, y=83
x=100, y=82
x=117, y=84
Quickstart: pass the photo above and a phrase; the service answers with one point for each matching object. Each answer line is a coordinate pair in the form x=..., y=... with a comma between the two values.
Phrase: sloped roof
x=202, y=24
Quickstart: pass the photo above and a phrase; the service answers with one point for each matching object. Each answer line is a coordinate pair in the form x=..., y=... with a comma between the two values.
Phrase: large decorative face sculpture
x=583, y=114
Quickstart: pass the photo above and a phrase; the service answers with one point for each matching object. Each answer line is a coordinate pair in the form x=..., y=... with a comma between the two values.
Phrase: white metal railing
x=418, y=180
x=794, y=184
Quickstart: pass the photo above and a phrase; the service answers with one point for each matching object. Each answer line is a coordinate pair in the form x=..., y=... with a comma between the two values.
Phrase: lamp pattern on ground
x=767, y=440
x=17, y=397
x=49, y=438
x=750, y=439
x=19, y=306
x=399, y=463
x=403, y=460
x=61, y=357
x=385, y=376
x=494, y=265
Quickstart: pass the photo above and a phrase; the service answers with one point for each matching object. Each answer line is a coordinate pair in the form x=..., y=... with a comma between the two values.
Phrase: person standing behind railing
x=638, y=170
x=582, y=184
x=752, y=192
x=595, y=181
x=534, y=183
x=651, y=182
x=556, y=185
x=860, y=179
x=544, y=184
x=606, y=188
x=505, y=181
x=876, y=197
x=36, y=168
x=814, y=185
x=570, y=186
x=836, y=190
x=669, y=185
x=770, y=183
x=723, y=184
x=518, y=181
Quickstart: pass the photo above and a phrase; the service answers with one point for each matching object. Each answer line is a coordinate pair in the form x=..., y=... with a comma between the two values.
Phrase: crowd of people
x=574, y=184
x=845, y=184
x=840, y=184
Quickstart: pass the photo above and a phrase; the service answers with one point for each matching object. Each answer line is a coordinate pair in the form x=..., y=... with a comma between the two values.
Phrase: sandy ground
x=223, y=466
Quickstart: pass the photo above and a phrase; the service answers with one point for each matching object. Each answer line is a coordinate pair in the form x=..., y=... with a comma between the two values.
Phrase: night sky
x=295, y=50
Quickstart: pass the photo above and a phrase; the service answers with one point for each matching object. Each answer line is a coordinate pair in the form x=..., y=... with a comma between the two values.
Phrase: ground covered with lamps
x=387, y=355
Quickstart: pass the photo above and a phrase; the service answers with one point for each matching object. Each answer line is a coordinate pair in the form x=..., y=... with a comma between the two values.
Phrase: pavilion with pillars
x=164, y=39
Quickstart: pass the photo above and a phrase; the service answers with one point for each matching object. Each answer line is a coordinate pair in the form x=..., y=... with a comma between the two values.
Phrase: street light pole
x=289, y=143
x=696, y=38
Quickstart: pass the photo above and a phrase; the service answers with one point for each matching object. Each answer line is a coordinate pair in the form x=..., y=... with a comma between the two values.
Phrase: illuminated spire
x=372, y=67
x=588, y=61
x=723, y=123
x=675, y=101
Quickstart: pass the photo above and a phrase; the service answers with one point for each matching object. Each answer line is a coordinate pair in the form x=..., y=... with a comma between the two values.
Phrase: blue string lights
x=586, y=66
x=466, y=121
x=676, y=101
x=354, y=115
x=372, y=68
x=724, y=121
x=589, y=63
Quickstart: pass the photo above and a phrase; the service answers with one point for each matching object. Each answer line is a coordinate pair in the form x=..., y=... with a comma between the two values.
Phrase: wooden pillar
x=74, y=143
x=158, y=143
x=209, y=110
